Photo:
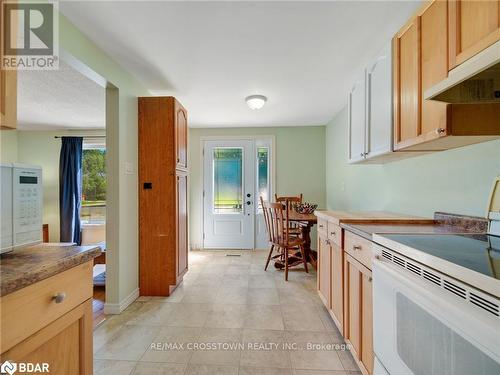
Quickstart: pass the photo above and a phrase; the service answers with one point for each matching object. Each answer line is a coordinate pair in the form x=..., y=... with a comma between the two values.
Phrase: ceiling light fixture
x=256, y=101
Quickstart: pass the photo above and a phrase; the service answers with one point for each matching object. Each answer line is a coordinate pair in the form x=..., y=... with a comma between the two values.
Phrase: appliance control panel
x=27, y=205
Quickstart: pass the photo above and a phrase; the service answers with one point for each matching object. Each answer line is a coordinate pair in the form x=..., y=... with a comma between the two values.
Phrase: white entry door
x=229, y=183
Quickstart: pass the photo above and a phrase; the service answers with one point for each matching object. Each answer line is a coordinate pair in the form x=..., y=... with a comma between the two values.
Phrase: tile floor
x=229, y=300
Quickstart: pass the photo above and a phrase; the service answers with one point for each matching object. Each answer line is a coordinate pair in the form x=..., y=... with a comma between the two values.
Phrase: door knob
x=249, y=203
x=249, y=195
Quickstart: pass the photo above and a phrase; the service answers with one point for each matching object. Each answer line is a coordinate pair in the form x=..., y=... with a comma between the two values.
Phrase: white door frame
x=271, y=139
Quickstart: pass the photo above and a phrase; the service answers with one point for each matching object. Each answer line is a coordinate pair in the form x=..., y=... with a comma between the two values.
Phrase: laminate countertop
x=442, y=223
x=339, y=217
x=28, y=265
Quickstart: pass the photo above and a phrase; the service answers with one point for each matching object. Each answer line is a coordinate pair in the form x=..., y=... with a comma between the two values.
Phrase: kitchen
x=401, y=181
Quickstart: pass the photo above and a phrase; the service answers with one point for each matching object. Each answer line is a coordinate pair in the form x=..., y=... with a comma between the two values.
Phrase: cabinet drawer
x=28, y=310
x=359, y=248
x=322, y=226
x=335, y=234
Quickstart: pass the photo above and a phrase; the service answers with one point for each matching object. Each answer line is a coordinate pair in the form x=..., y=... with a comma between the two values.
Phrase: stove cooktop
x=478, y=252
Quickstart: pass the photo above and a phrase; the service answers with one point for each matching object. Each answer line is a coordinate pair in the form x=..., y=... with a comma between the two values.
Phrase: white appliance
x=422, y=327
x=427, y=321
x=21, y=205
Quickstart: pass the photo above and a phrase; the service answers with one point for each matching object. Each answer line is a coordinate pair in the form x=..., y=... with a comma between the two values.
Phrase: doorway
x=236, y=173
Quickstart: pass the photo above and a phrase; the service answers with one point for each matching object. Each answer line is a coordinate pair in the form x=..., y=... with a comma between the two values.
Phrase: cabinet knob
x=321, y=225
x=370, y=279
x=59, y=297
x=332, y=233
x=178, y=160
x=440, y=130
x=362, y=154
x=356, y=247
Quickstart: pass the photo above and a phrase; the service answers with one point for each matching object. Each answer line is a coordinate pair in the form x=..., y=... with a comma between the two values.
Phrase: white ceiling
x=59, y=99
x=303, y=56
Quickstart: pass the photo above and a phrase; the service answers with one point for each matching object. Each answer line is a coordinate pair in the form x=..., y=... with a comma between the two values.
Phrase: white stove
x=436, y=301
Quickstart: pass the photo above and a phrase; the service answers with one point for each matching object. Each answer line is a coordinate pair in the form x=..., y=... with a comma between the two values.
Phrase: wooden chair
x=290, y=201
x=277, y=223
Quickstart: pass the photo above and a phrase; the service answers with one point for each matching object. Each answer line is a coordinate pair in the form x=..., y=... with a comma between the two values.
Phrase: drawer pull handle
x=356, y=247
x=321, y=225
x=59, y=297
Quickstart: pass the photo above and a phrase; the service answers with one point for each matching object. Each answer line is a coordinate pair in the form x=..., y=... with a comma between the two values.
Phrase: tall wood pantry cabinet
x=163, y=183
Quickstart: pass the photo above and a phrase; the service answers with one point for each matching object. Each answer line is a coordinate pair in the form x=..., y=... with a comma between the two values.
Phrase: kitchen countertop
x=368, y=230
x=442, y=223
x=28, y=265
x=339, y=217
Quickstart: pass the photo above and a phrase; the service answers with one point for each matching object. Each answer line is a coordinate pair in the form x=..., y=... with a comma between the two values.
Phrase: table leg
x=310, y=254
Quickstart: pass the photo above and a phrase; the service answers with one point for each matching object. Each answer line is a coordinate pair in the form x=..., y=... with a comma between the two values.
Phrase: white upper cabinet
x=379, y=104
x=357, y=120
x=370, y=110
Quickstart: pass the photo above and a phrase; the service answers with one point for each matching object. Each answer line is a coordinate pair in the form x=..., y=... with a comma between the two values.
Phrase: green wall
x=299, y=163
x=457, y=180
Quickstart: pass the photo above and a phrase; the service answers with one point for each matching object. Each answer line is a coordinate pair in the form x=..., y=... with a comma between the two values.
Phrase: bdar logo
x=8, y=368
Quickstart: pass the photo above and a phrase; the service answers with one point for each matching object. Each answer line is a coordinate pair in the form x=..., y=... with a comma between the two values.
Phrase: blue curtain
x=70, y=189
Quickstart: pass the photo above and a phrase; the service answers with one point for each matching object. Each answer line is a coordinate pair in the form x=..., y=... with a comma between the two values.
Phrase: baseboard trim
x=118, y=308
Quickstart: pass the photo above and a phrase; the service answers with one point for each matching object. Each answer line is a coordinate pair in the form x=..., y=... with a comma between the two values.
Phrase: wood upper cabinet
x=8, y=99
x=359, y=312
x=181, y=134
x=474, y=26
x=8, y=93
x=420, y=55
x=182, y=224
x=324, y=271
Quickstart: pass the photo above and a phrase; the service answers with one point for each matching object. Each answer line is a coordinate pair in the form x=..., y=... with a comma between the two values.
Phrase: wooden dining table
x=305, y=222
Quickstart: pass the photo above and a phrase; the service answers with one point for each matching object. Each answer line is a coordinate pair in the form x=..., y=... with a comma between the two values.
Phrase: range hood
x=476, y=80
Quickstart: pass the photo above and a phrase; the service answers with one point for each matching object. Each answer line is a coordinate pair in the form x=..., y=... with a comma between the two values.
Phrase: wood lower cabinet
x=36, y=329
x=324, y=270
x=474, y=26
x=181, y=224
x=359, y=312
x=420, y=60
x=163, y=186
x=337, y=286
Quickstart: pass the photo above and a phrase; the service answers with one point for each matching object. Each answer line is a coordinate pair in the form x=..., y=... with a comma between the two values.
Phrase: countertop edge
x=43, y=273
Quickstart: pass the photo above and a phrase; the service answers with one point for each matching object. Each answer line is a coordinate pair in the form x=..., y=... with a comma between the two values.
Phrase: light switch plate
x=129, y=168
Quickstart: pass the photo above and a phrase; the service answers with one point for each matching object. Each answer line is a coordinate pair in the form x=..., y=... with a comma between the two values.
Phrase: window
x=93, y=209
x=228, y=180
x=264, y=171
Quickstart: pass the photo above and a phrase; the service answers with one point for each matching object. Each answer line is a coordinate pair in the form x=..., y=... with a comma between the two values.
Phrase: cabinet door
x=379, y=104
x=357, y=120
x=434, y=66
x=181, y=223
x=358, y=307
x=324, y=271
x=8, y=99
x=337, y=285
x=407, y=90
x=474, y=25
x=181, y=129
x=65, y=344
